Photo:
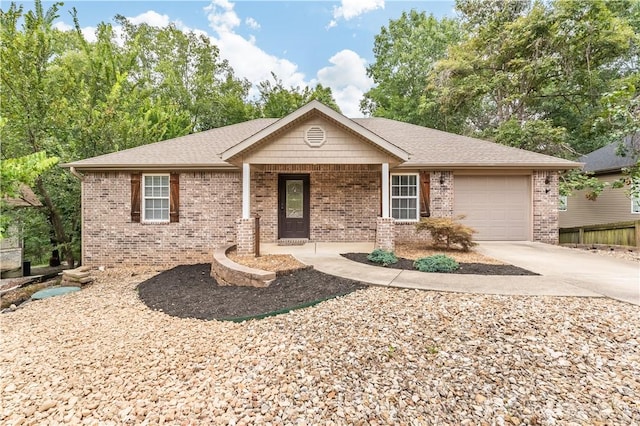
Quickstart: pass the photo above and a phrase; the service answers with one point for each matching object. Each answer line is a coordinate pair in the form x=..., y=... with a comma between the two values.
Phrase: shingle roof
x=430, y=147
x=606, y=159
x=426, y=148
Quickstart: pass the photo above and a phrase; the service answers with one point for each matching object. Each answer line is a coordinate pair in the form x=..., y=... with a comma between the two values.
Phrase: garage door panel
x=498, y=207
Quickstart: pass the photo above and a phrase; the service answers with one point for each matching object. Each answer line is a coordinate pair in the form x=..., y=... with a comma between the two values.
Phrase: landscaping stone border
x=227, y=272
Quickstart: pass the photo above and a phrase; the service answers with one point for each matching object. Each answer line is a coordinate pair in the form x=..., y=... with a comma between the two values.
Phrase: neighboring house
x=11, y=246
x=314, y=174
x=613, y=204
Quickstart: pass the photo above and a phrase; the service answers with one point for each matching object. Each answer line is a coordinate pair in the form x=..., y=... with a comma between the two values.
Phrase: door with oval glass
x=293, y=206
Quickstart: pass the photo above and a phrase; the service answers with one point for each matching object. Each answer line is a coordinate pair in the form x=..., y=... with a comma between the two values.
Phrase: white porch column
x=246, y=190
x=385, y=190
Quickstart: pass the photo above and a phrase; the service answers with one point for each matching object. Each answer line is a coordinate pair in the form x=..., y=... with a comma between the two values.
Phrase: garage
x=498, y=207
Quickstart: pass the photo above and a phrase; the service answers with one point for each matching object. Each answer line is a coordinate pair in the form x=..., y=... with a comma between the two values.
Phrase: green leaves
x=405, y=53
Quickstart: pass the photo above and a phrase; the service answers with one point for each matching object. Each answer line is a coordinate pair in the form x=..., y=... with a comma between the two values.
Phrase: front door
x=293, y=206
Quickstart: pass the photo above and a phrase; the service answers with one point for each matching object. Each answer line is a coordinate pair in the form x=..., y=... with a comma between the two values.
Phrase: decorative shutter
x=174, y=197
x=425, y=193
x=135, y=197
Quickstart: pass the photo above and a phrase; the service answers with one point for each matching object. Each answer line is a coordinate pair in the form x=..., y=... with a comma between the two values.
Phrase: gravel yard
x=376, y=356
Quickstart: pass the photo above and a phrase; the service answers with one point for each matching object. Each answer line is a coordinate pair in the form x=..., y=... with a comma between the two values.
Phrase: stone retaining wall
x=226, y=272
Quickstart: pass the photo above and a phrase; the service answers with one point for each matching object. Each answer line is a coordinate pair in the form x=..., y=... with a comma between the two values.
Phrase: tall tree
x=533, y=75
x=405, y=53
x=30, y=92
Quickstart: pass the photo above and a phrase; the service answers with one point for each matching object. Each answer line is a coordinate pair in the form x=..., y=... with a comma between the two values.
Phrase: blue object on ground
x=54, y=291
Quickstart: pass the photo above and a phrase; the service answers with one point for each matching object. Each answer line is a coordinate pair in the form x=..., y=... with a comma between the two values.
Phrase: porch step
x=292, y=241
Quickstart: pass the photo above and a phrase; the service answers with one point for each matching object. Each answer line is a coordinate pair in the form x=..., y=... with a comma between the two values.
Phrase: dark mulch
x=188, y=291
x=465, y=268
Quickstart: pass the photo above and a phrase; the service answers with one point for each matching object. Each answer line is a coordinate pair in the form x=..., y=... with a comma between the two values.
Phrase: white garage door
x=498, y=207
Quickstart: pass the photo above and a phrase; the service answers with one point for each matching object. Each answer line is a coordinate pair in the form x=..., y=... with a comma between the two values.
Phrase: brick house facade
x=364, y=180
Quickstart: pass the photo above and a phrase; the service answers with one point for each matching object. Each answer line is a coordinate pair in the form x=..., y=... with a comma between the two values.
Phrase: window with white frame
x=635, y=204
x=155, y=198
x=562, y=203
x=405, y=197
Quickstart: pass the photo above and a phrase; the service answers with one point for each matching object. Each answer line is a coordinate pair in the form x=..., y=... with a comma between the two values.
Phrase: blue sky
x=302, y=42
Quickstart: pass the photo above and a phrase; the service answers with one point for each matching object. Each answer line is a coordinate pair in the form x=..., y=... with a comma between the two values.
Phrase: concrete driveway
x=608, y=276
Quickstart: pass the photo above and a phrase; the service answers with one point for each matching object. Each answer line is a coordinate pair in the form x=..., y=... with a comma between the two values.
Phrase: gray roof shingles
x=606, y=159
x=427, y=148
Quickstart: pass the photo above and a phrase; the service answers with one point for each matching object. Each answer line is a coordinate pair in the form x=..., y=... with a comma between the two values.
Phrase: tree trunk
x=56, y=223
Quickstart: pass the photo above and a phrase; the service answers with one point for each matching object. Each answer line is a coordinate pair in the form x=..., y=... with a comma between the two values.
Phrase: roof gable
x=313, y=109
x=401, y=144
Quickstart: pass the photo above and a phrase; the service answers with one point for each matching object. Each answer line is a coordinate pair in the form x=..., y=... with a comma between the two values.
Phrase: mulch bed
x=189, y=291
x=465, y=268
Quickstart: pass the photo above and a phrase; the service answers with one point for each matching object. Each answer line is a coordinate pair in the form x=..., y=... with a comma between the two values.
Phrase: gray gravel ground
x=376, y=356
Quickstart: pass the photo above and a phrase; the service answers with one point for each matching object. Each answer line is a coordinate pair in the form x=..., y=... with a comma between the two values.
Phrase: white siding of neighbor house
x=341, y=147
x=612, y=205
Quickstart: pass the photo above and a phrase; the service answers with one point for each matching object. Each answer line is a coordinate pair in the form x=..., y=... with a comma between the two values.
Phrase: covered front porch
x=316, y=203
x=315, y=175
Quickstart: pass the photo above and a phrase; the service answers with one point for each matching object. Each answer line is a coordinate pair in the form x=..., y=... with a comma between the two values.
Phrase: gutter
x=76, y=174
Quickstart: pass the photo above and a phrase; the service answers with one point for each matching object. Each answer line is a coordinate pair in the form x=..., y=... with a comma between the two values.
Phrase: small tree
x=446, y=231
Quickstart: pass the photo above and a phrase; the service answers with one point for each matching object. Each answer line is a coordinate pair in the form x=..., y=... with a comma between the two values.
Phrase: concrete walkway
x=564, y=272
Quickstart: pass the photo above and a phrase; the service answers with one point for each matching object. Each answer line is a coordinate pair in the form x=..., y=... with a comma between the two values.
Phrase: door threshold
x=292, y=241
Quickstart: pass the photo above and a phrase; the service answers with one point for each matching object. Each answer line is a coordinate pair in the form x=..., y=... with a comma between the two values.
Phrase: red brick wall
x=210, y=203
x=345, y=200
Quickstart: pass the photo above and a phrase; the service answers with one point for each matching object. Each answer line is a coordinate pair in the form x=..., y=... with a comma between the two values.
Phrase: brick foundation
x=545, y=206
x=385, y=233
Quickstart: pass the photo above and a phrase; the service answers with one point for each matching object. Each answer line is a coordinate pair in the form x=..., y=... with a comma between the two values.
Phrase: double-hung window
x=405, y=196
x=155, y=198
x=635, y=204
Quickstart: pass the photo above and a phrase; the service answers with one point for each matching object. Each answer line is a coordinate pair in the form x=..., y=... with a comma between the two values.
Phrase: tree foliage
x=406, y=53
x=558, y=77
x=72, y=99
x=276, y=100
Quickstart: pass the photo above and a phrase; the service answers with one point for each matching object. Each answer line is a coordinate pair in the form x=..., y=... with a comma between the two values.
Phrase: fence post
x=637, y=229
x=581, y=235
x=256, y=238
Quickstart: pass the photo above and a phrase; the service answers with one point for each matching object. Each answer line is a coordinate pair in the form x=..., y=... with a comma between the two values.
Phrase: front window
x=562, y=203
x=635, y=204
x=405, y=197
x=155, y=196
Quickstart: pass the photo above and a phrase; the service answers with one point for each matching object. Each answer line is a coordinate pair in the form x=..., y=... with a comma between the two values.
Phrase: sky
x=303, y=42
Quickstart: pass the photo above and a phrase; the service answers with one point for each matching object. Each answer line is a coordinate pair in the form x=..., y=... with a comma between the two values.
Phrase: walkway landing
x=326, y=258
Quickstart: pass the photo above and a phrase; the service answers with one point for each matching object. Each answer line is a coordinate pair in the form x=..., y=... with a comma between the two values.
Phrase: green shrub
x=446, y=231
x=383, y=257
x=436, y=263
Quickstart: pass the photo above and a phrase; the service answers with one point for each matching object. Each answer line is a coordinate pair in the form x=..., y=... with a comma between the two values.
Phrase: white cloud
x=89, y=33
x=252, y=23
x=247, y=59
x=151, y=18
x=347, y=77
x=222, y=17
x=350, y=9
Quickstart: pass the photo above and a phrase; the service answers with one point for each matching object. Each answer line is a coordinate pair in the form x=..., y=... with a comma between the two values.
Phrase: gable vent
x=315, y=136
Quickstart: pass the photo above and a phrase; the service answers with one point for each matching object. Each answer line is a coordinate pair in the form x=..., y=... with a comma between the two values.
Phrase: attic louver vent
x=315, y=136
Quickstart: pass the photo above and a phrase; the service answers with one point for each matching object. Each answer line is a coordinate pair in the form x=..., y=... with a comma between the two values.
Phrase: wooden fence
x=620, y=234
